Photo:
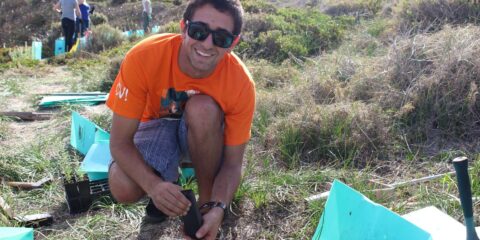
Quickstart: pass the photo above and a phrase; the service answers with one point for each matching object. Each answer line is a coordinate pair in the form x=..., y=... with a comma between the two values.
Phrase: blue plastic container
x=139, y=32
x=155, y=29
x=36, y=50
x=127, y=33
x=83, y=42
x=59, y=46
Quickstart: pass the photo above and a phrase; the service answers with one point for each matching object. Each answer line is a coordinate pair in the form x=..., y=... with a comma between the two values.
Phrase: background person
x=146, y=15
x=69, y=10
x=84, y=25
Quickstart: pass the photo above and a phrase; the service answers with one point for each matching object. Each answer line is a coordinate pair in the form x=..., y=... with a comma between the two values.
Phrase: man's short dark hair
x=232, y=7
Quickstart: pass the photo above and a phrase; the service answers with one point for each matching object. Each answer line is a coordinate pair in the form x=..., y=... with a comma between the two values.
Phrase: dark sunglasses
x=200, y=31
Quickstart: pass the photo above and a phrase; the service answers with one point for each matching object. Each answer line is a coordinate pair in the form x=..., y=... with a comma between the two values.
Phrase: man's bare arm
x=166, y=196
x=224, y=187
x=127, y=156
x=228, y=178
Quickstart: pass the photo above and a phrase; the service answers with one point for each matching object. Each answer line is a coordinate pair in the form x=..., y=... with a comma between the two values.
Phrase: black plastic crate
x=81, y=194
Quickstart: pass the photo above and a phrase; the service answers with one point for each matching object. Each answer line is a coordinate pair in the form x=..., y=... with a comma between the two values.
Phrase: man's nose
x=208, y=42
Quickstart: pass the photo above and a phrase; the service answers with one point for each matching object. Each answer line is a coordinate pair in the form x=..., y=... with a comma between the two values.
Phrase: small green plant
x=260, y=122
x=259, y=197
x=377, y=27
x=242, y=192
x=291, y=146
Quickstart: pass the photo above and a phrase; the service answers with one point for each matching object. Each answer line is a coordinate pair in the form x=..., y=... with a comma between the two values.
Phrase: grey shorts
x=163, y=143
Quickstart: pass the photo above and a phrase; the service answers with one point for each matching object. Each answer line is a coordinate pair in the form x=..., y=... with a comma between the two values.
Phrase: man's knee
x=123, y=189
x=204, y=110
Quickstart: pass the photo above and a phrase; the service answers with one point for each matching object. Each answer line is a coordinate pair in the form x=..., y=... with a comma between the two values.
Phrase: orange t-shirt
x=151, y=85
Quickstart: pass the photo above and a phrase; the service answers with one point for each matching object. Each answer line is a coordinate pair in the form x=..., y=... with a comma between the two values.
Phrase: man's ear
x=182, y=25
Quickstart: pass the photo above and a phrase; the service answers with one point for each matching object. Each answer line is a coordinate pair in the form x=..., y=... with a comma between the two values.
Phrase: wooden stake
x=389, y=187
x=29, y=116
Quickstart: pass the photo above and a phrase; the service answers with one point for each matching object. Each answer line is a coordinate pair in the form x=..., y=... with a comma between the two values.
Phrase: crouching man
x=183, y=96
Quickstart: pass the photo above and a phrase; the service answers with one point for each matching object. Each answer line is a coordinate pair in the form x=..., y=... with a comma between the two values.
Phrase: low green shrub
x=104, y=37
x=270, y=76
x=98, y=18
x=358, y=9
x=290, y=32
x=258, y=6
x=170, y=27
x=5, y=55
x=112, y=73
x=48, y=44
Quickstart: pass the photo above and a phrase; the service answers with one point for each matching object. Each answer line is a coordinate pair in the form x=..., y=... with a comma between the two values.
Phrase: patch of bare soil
x=32, y=84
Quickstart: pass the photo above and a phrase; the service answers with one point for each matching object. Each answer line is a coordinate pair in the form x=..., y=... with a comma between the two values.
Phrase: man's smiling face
x=198, y=59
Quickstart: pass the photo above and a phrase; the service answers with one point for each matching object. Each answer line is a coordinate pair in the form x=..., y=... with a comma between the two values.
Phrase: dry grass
x=434, y=80
x=423, y=16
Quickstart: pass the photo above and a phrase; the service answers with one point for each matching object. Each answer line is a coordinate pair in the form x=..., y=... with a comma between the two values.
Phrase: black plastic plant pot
x=78, y=196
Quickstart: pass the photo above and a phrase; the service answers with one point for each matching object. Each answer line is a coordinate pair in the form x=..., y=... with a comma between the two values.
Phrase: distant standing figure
x=85, y=10
x=70, y=10
x=146, y=14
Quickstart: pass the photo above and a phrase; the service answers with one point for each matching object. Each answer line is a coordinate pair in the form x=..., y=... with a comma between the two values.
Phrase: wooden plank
x=28, y=116
x=30, y=185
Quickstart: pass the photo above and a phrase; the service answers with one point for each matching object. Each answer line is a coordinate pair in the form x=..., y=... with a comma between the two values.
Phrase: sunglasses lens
x=200, y=31
x=197, y=31
x=223, y=39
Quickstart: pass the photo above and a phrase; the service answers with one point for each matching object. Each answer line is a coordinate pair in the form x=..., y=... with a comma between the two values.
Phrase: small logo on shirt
x=121, y=92
x=173, y=102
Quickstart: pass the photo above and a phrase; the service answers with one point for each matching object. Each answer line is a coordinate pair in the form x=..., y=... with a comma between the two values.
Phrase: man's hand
x=167, y=198
x=212, y=221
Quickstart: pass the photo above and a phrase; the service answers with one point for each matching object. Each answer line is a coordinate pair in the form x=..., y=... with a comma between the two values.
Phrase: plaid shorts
x=163, y=143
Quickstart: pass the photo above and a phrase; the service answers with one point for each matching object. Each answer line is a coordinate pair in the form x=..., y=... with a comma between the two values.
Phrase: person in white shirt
x=146, y=14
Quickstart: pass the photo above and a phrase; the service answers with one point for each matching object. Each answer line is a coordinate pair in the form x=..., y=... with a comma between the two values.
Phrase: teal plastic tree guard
x=58, y=100
x=186, y=174
x=96, y=161
x=84, y=132
x=83, y=43
x=155, y=29
x=102, y=136
x=139, y=33
x=16, y=233
x=59, y=46
x=127, y=34
x=348, y=215
x=36, y=50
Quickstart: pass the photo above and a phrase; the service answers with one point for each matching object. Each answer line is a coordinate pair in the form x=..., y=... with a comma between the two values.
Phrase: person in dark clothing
x=84, y=25
x=69, y=10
